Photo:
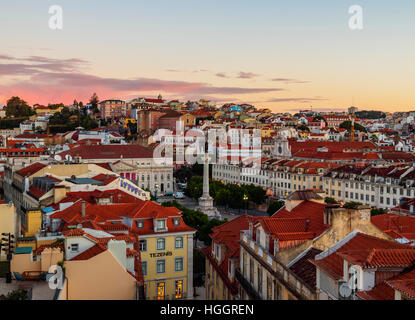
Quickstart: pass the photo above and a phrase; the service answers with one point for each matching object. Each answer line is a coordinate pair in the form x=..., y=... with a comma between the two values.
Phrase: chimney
x=83, y=208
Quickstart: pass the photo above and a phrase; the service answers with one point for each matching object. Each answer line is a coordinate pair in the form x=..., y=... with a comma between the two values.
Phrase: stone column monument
x=206, y=201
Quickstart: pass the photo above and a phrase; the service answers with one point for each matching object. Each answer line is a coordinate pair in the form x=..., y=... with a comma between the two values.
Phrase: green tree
x=197, y=220
x=255, y=194
x=94, y=103
x=199, y=266
x=274, y=206
x=351, y=205
x=330, y=200
x=378, y=211
x=194, y=187
x=319, y=118
x=17, y=107
x=348, y=126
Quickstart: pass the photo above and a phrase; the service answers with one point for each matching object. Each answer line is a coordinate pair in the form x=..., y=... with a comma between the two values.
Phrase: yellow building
x=188, y=119
x=33, y=222
x=165, y=270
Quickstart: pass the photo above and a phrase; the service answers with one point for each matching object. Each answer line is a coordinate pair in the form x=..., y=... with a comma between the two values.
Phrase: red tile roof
x=90, y=253
x=398, y=226
x=36, y=192
x=32, y=169
x=304, y=269
x=359, y=249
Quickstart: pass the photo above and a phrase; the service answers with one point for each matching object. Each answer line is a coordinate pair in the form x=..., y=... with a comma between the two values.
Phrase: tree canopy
x=370, y=114
x=274, y=206
x=197, y=220
x=17, y=107
x=348, y=126
x=230, y=194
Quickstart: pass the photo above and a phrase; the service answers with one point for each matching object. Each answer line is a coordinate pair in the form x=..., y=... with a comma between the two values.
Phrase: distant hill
x=370, y=114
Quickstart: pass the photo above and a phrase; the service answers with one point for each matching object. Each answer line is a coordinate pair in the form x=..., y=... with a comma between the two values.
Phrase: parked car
x=179, y=195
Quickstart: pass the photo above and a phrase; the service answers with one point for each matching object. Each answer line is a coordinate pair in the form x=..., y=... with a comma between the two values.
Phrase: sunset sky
x=284, y=55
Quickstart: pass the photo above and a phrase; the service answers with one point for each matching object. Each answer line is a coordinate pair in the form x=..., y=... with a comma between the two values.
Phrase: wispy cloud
x=299, y=100
x=221, y=75
x=247, y=75
x=288, y=80
x=63, y=78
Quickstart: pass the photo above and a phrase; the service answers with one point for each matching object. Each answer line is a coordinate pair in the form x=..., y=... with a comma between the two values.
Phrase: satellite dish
x=58, y=158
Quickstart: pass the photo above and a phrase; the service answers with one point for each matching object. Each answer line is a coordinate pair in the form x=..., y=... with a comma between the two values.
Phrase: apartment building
x=280, y=176
x=132, y=162
x=112, y=109
x=275, y=251
x=164, y=241
x=222, y=259
x=375, y=186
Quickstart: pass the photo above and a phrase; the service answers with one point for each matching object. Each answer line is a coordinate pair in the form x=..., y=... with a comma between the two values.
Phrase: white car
x=179, y=195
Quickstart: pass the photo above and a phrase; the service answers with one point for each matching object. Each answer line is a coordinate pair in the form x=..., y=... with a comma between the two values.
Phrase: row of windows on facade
x=363, y=186
x=133, y=176
x=161, y=244
x=161, y=224
x=259, y=282
x=225, y=293
x=161, y=265
x=364, y=197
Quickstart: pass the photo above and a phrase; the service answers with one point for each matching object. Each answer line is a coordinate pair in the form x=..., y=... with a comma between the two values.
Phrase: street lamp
x=7, y=244
x=245, y=201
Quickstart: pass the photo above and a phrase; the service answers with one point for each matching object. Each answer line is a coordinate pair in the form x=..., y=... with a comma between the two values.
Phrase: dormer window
x=161, y=225
x=176, y=221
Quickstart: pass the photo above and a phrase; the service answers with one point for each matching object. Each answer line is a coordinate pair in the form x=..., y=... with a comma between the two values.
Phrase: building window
x=251, y=271
x=179, y=289
x=179, y=243
x=160, y=290
x=74, y=247
x=161, y=225
x=278, y=292
x=161, y=244
x=259, y=280
x=144, y=267
x=143, y=245
x=178, y=264
x=140, y=224
x=176, y=221
x=161, y=266
x=269, y=288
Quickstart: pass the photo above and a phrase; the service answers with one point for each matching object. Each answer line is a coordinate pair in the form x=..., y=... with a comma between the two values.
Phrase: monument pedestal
x=206, y=206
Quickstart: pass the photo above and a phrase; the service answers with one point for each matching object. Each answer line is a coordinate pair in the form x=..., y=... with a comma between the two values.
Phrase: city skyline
x=268, y=53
